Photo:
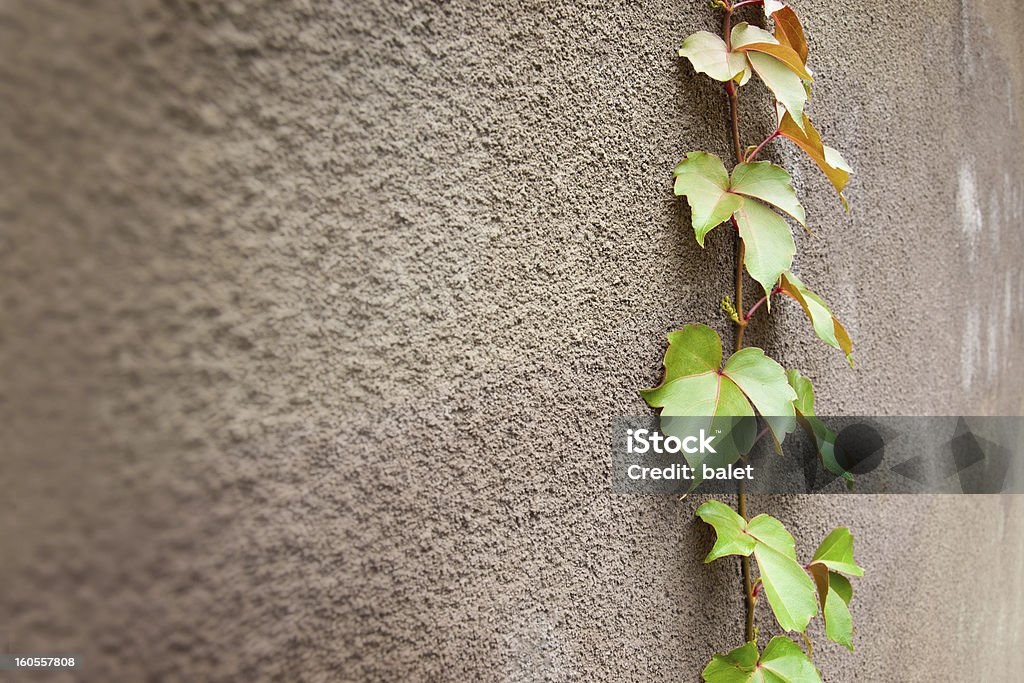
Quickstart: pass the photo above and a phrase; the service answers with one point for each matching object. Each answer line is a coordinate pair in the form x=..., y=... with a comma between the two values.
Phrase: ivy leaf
x=787, y=662
x=693, y=386
x=730, y=531
x=804, y=403
x=836, y=612
x=747, y=38
x=694, y=394
x=787, y=586
x=786, y=85
x=768, y=530
x=736, y=536
x=789, y=589
x=769, y=183
x=692, y=350
x=841, y=585
x=782, y=662
x=824, y=438
x=702, y=178
x=709, y=55
x=836, y=552
x=834, y=594
x=788, y=29
x=828, y=160
x=738, y=666
x=763, y=381
x=828, y=329
x=834, y=159
x=768, y=242
x=780, y=67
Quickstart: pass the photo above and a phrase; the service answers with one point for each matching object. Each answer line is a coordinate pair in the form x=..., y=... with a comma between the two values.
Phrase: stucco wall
x=315, y=316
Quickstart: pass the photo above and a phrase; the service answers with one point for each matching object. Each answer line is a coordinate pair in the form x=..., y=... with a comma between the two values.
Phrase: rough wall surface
x=315, y=315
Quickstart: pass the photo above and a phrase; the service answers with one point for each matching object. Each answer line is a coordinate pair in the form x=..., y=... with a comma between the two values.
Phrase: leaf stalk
x=757, y=150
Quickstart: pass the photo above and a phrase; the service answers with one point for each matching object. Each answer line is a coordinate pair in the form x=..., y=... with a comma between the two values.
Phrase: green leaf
x=782, y=662
x=709, y=55
x=730, y=531
x=834, y=594
x=824, y=438
x=789, y=589
x=836, y=552
x=738, y=666
x=769, y=183
x=804, y=402
x=694, y=386
x=838, y=620
x=786, y=85
x=747, y=38
x=787, y=663
x=735, y=536
x=768, y=241
x=787, y=586
x=764, y=382
x=828, y=329
x=702, y=178
x=744, y=34
x=841, y=585
x=693, y=350
x=770, y=531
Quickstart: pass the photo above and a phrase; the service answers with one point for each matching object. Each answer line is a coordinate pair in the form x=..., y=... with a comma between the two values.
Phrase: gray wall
x=315, y=316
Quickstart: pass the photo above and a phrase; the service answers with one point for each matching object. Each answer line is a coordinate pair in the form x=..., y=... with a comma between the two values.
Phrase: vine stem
x=758, y=149
x=760, y=302
x=734, y=116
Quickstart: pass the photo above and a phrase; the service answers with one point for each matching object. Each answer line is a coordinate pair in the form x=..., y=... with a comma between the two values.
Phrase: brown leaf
x=783, y=53
x=789, y=32
x=809, y=140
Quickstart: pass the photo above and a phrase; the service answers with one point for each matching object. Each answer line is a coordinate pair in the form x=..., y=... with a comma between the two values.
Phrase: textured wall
x=314, y=317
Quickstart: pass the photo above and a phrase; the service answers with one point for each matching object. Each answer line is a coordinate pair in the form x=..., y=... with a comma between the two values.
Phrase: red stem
x=757, y=150
x=750, y=313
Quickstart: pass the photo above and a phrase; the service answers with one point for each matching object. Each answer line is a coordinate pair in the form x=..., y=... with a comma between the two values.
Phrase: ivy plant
x=756, y=198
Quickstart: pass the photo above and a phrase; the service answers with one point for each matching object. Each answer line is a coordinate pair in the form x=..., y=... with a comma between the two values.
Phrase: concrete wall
x=315, y=315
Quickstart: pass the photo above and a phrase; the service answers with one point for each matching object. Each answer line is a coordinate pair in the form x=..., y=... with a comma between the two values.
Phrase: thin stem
x=760, y=435
x=741, y=326
x=734, y=111
x=762, y=300
x=757, y=150
x=810, y=648
x=750, y=313
x=734, y=117
x=748, y=589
